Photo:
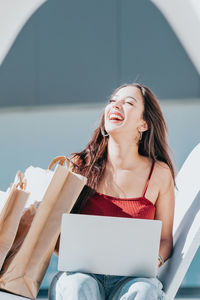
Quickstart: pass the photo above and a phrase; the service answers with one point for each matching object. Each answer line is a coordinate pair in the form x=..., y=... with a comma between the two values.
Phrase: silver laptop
x=109, y=245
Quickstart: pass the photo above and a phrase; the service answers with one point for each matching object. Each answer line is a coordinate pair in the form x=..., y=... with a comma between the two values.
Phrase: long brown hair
x=92, y=160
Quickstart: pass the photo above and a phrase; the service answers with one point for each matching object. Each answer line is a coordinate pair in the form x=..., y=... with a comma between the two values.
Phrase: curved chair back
x=186, y=231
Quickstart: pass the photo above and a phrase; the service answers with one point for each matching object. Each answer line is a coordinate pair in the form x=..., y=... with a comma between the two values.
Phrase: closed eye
x=112, y=100
x=129, y=103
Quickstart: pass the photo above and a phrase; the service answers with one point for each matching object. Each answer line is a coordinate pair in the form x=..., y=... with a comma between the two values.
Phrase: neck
x=122, y=154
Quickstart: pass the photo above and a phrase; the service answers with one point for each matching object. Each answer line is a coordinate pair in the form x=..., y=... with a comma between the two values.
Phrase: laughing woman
x=130, y=174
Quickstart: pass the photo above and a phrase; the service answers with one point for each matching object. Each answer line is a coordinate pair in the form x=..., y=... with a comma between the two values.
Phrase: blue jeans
x=88, y=286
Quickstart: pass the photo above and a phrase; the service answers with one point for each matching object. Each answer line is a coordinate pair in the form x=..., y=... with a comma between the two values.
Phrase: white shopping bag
x=37, y=182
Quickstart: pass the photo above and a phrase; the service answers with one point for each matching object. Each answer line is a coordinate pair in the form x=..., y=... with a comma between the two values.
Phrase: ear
x=143, y=127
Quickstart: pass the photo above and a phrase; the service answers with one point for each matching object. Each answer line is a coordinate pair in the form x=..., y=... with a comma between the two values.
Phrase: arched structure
x=184, y=18
x=13, y=16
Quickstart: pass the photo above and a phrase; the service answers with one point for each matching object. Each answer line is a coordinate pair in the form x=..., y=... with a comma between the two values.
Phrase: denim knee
x=138, y=288
x=142, y=290
x=76, y=286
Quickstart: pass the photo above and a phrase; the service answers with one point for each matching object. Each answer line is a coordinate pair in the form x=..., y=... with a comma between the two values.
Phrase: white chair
x=186, y=231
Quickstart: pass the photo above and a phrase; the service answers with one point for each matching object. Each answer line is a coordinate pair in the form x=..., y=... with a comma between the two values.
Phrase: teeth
x=115, y=116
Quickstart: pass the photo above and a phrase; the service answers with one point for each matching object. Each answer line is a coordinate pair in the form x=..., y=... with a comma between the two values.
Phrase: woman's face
x=124, y=112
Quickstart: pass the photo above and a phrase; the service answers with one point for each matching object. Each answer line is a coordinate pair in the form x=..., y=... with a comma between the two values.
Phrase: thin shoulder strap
x=147, y=183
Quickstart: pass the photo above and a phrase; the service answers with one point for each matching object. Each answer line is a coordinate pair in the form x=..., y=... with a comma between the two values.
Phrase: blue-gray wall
x=74, y=51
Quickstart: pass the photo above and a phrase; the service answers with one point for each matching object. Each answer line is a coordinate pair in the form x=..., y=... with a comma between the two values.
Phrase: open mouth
x=115, y=117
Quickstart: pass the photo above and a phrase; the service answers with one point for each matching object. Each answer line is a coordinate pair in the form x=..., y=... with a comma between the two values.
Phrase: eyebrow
x=132, y=98
x=113, y=96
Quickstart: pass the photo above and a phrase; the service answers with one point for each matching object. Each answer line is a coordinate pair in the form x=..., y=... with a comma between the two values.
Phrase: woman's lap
x=86, y=286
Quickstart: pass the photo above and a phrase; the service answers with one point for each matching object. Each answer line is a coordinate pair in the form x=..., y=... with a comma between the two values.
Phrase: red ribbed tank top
x=105, y=205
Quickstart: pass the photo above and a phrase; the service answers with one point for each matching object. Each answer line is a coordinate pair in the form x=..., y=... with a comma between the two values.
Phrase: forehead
x=129, y=91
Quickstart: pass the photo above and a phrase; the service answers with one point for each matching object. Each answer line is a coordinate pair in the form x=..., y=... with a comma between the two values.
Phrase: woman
x=130, y=174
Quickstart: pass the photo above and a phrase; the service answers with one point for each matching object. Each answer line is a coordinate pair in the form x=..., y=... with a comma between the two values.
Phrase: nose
x=117, y=104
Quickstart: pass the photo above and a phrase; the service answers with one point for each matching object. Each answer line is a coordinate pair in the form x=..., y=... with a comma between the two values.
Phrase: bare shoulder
x=163, y=174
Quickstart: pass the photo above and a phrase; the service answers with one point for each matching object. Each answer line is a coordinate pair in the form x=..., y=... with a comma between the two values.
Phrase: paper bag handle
x=61, y=160
x=21, y=181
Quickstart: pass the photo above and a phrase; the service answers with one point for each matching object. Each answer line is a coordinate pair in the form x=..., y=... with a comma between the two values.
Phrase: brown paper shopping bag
x=12, y=204
x=25, y=269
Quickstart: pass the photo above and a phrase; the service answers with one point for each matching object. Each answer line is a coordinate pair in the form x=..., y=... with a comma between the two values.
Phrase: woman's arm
x=56, y=250
x=165, y=213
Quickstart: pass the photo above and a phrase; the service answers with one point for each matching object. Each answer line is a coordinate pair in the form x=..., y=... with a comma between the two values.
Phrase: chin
x=113, y=130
